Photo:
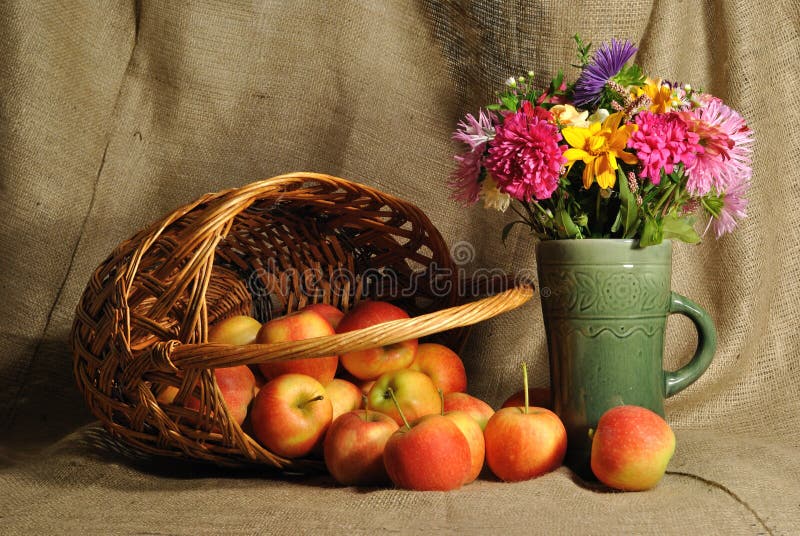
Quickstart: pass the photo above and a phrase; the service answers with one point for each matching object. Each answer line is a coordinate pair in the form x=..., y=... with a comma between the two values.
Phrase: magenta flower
x=464, y=180
x=725, y=144
x=661, y=142
x=525, y=157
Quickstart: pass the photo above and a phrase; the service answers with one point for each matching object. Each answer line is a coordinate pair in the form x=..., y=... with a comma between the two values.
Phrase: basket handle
x=173, y=355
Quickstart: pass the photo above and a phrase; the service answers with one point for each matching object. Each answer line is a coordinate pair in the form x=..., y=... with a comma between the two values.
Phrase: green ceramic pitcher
x=605, y=304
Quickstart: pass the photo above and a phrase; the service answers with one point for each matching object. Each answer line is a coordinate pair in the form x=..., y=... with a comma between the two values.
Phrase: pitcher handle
x=706, y=345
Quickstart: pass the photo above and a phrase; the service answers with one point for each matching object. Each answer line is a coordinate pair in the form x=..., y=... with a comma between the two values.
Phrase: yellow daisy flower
x=599, y=146
x=661, y=95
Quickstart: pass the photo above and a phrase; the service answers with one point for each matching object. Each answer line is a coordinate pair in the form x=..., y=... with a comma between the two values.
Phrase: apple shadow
x=584, y=478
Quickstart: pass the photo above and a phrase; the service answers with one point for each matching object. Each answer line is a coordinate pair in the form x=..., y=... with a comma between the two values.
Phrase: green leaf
x=510, y=102
x=630, y=75
x=565, y=227
x=680, y=228
x=652, y=233
x=556, y=82
x=617, y=221
x=494, y=107
x=628, y=217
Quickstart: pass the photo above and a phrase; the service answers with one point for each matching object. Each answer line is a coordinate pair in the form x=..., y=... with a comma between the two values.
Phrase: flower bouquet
x=616, y=154
x=628, y=161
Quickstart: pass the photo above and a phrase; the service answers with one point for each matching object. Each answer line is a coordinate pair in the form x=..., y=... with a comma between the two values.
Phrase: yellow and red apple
x=473, y=406
x=477, y=445
x=415, y=393
x=443, y=366
x=298, y=326
x=328, y=312
x=238, y=330
x=291, y=414
x=344, y=396
x=631, y=448
x=523, y=443
x=429, y=454
x=354, y=445
x=371, y=363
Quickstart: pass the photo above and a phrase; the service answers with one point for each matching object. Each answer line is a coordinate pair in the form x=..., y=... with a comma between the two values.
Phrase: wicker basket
x=265, y=249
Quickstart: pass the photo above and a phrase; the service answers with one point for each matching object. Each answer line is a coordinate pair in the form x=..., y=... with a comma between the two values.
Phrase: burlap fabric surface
x=114, y=113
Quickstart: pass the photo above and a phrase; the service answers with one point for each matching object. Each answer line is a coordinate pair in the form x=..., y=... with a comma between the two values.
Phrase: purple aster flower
x=606, y=63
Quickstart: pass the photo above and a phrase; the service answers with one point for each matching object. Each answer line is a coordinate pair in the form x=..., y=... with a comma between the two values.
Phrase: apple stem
x=315, y=399
x=525, y=384
x=366, y=407
x=397, y=405
x=441, y=398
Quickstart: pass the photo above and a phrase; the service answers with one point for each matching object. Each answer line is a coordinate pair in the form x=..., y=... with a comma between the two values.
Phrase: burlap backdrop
x=114, y=113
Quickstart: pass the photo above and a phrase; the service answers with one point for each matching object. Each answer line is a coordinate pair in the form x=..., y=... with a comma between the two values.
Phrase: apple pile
x=400, y=413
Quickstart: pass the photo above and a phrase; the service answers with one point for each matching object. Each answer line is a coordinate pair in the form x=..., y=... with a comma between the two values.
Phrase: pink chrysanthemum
x=734, y=208
x=464, y=180
x=661, y=142
x=476, y=132
x=525, y=157
x=726, y=144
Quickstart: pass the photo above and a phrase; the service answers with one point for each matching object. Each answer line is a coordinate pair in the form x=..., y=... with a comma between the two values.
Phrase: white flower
x=511, y=82
x=492, y=196
x=568, y=116
x=599, y=116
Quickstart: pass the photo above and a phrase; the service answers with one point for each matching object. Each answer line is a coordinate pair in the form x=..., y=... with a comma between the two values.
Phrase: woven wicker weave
x=265, y=249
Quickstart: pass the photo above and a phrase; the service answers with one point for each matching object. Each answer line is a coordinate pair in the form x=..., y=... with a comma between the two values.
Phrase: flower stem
x=667, y=193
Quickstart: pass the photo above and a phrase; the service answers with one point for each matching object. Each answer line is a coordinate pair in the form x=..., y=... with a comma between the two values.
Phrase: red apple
x=296, y=327
x=522, y=445
x=354, y=447
x=430, y=454
x=477, y=446
x=291, y=414
x=235, y=330
x=537, y=396
x=371, y=363
x=631, y=448
x=414, y=391
x=237, y=385
x=524, y=442
x=344, y=396
x=474, y=407
x=443, y=366
x=328, y=312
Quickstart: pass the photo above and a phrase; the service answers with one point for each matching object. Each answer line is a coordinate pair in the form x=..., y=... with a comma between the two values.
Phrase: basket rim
x=175, y=355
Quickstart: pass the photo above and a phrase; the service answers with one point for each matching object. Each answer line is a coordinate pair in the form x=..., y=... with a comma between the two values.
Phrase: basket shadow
x=95, y=445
